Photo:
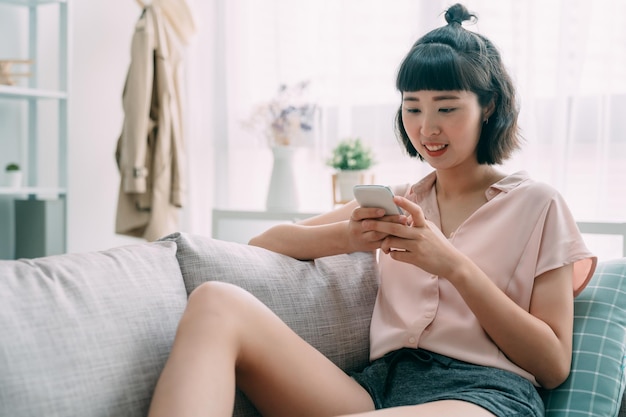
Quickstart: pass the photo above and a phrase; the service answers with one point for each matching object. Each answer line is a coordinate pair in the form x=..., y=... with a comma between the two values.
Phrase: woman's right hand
x=361, y=239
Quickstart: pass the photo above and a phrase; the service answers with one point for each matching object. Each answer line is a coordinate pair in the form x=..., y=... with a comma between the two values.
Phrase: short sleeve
x=401, y=189
x=562, y=244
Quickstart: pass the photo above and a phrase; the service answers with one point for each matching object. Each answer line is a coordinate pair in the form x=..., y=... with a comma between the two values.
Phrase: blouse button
x=412, y=340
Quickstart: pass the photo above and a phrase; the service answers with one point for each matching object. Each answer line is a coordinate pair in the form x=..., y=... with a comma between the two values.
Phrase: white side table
x=241, y=225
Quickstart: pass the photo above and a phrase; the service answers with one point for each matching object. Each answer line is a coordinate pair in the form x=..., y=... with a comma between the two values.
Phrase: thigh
x=281, y=373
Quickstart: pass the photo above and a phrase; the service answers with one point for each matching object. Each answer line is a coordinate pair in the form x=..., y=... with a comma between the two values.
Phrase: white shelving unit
x=241, y=225
x=41, y=134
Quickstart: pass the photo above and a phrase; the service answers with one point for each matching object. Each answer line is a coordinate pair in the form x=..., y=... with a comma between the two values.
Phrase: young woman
x=475, y=306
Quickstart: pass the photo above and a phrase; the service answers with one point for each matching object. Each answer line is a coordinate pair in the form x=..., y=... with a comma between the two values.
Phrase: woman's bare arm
x=323, y=235
x=336, y=232
x=539, y=341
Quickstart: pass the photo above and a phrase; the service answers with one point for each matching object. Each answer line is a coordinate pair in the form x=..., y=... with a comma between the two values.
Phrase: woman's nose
x=430, y=127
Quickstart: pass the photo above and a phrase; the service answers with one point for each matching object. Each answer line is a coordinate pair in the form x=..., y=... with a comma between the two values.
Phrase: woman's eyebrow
x=446, y=97
x=435, y=98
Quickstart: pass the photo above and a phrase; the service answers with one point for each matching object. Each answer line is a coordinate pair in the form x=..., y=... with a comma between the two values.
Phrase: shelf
x=263, y=215
x=32, y=191
x=7, y=91
x=40, y=124
x=241, y=225
x=31, y=2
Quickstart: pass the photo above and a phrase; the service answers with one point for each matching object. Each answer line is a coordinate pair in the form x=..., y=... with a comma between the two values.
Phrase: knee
x=215, y=301
x=213, y=315
x=213, y=295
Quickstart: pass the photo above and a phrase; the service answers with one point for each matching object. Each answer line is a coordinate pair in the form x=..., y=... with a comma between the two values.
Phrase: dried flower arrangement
x=287, y=118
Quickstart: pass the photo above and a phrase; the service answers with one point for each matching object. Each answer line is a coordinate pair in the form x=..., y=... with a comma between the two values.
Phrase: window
x=568, y=59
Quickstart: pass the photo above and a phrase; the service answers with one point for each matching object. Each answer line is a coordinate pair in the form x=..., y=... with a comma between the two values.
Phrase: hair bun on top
x=458, y=14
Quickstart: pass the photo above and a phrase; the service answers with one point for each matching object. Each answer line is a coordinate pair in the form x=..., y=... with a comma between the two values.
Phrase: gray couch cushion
x=87, y=334
x=330, y=299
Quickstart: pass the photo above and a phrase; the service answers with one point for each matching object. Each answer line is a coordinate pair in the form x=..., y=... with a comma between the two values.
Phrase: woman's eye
x=447, y=110
x=411, y=110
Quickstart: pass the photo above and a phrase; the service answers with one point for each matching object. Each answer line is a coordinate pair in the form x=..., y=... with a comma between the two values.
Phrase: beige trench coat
x=150, y=151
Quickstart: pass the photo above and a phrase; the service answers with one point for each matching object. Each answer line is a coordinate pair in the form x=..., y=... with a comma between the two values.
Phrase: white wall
x=102, y=32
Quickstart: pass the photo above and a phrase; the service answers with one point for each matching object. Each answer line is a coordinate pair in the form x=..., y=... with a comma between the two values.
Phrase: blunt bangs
x=438, y=67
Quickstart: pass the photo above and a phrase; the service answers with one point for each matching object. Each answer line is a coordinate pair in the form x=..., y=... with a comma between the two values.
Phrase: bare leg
x=227, y=336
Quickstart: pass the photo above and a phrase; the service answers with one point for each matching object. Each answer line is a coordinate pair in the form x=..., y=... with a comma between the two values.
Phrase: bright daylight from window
x=568, y=59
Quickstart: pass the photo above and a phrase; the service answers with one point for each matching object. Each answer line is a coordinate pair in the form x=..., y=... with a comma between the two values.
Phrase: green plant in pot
x=12, y=167
x=350, y=155
x=351, y=158
x=13, y=175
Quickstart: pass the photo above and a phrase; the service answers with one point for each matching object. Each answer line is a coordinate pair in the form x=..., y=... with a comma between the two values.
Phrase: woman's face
x=443, y=126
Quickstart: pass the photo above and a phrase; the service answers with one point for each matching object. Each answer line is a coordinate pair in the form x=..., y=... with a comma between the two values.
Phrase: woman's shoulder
x=521, y=182
x=419, y=188
x=401, y=189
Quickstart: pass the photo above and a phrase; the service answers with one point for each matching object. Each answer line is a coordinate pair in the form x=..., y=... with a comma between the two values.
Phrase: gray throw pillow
x=328, y=301
x=87, y=334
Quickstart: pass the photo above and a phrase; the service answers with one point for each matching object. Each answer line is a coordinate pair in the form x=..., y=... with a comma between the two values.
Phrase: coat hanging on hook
x=151, y=148
x=178, y=14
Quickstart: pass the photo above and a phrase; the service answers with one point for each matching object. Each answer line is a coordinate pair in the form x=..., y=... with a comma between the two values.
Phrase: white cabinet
x=242, y=225
x=34, y=123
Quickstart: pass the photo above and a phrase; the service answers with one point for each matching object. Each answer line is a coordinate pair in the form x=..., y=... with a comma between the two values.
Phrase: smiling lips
x=435, y=149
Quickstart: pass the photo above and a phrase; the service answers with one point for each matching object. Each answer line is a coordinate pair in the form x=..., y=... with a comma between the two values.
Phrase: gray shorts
x=417, y=376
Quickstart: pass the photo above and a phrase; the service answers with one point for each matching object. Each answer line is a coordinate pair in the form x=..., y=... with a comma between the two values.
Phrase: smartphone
x=379, y=196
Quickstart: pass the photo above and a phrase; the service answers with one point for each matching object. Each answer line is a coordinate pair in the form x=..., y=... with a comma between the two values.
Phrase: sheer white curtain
x=568, y=59
x=349, y=50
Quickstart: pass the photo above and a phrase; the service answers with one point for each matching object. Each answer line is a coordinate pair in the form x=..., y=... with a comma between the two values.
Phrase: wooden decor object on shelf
x=6, y=76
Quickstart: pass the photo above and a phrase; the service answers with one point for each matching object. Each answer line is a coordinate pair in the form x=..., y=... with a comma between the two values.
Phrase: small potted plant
x=352, y=159
x=13, y=175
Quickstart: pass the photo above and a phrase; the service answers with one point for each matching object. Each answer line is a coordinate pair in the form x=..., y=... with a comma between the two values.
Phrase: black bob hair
x=455, y=59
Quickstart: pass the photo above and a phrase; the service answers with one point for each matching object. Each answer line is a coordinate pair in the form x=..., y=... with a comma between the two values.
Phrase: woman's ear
x=489, y=109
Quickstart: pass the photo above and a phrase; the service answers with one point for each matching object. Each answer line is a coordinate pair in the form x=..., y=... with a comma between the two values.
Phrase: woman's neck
x=461, y=192
x=451, y=184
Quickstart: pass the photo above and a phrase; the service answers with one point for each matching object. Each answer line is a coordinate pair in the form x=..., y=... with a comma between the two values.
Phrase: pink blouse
x=524, y=230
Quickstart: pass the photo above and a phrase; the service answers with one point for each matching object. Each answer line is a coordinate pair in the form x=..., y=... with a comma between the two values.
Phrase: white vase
x=344, y=183
x=13, y=179
x=283, y=192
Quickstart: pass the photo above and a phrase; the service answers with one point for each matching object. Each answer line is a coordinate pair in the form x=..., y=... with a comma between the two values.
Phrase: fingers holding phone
x=376, y=196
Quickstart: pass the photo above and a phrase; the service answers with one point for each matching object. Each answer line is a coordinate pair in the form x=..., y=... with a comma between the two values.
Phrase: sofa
x=87, y=334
